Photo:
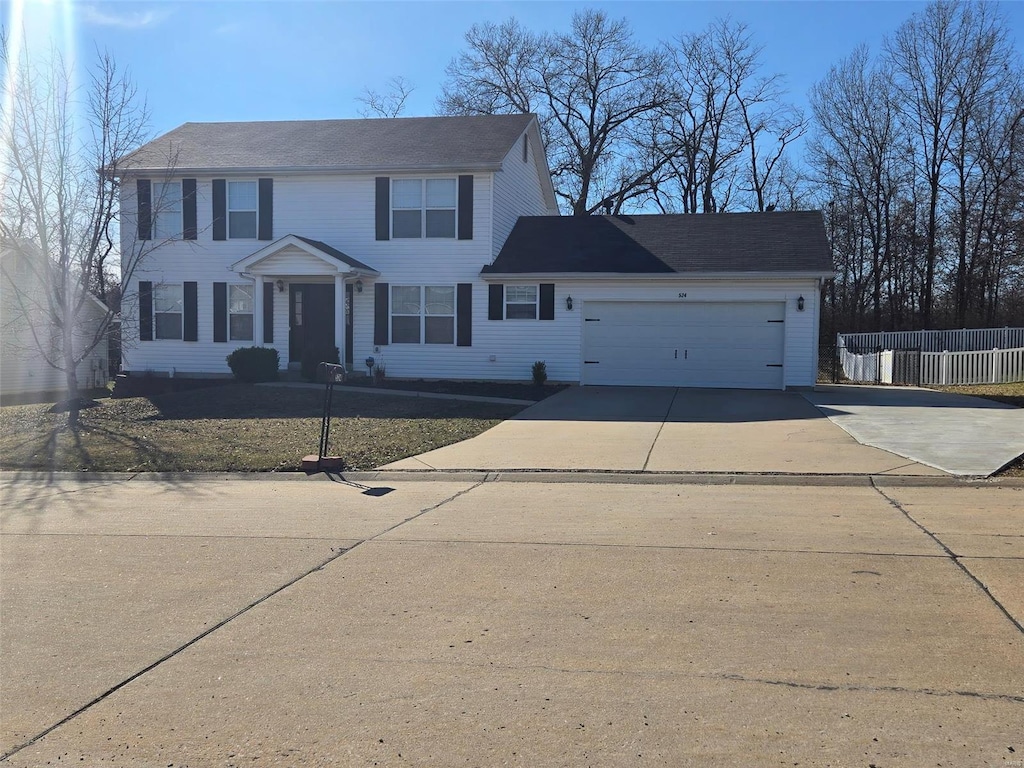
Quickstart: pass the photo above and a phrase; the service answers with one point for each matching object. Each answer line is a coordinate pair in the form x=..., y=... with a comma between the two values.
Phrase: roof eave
x=653, y=276
x=309, y=169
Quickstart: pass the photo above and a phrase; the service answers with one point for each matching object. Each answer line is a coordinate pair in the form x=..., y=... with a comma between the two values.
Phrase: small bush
x=380, y=372
x=313, y=356
x=540, y=373
x=252, y=364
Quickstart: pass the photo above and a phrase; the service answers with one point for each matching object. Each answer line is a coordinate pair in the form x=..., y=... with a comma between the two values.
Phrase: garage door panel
x=727, y=344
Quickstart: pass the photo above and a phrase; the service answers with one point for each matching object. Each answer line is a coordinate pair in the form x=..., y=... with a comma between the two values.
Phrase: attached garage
x=726, y=300
x=703, y=344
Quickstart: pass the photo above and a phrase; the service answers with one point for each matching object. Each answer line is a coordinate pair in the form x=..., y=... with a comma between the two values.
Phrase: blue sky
x=274, y=60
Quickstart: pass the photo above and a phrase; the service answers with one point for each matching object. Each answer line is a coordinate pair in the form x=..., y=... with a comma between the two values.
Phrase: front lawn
x=236, y=428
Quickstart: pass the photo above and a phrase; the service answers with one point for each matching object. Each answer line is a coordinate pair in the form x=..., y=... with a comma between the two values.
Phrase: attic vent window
x=526, y=146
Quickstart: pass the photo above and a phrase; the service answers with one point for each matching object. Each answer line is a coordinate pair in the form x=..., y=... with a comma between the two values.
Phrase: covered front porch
x=312, y=286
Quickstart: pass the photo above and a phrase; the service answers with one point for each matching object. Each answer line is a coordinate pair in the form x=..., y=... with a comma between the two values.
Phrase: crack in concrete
x=222, y=623
x=953, y=557
x=868, y=688
x=668, y=412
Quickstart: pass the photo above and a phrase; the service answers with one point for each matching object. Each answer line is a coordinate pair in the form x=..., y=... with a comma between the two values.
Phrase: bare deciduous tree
x=387, y=103
x=61, y=163
x=591, y=88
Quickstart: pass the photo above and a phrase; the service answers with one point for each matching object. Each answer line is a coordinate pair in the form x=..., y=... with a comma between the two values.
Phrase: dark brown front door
x=310, y=318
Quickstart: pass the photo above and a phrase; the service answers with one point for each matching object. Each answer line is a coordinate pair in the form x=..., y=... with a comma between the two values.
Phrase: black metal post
x=332, y=373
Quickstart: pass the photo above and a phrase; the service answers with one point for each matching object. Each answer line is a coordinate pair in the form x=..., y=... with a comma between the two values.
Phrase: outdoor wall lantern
x=359, y=286
x=280, y=286
x=568, y=303
x=800, y=304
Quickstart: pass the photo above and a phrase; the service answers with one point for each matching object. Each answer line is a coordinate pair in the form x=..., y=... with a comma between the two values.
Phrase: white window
x=240, y=312
x=168, y=303
x=520, y=302
x=423, y=314
x=242, y=207
x=423, y=208
x=166, y=210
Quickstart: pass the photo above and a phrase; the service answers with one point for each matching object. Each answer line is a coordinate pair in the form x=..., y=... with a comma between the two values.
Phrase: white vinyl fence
x=947, y=357
x=995, y=366
x=965, y=340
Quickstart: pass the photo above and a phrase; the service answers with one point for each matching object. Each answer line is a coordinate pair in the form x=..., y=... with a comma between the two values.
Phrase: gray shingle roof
x=781, y=241
x=404, y=143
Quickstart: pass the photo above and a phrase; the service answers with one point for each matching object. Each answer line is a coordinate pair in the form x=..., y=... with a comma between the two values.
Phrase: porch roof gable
x=333, y=259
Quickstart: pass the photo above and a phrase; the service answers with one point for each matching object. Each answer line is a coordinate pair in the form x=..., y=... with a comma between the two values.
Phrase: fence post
x=944, y=375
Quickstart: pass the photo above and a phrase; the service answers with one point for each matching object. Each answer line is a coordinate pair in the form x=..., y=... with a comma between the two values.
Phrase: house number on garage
x=682, y=295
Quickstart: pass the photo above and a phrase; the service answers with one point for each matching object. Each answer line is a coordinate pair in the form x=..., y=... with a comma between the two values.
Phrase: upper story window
x=168, y=304
x=520, y=302
x=423, y=208
x=243, y=199
x=166, y=210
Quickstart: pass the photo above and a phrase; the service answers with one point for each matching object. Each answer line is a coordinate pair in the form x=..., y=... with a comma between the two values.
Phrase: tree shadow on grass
x=241, y=401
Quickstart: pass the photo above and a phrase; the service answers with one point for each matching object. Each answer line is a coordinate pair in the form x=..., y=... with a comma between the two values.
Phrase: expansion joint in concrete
x=952, y=556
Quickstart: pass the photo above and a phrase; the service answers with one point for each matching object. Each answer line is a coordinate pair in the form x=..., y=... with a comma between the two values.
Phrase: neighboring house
x=433, y=245
x=28, y=338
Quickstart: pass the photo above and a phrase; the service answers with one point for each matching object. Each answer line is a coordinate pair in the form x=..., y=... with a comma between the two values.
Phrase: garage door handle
x=676, y=355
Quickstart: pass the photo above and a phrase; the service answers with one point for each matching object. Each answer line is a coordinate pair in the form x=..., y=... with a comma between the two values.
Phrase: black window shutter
x=464, y=321
x=383, y=208
x=547, y=301
x=266, y=223
x=495, y=300
x=465, y=207
x=145, y=310
x=380, y=313
x=144, y=196
x=220, y=209
x=189, y=230
x=268, y=313
x=220, y=311
x=190, y=321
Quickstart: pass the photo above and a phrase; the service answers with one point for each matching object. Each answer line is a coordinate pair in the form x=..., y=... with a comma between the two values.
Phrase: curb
x=621, y=477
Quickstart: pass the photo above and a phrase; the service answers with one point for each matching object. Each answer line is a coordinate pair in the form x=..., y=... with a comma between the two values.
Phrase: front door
x=310, y=318
x=348, y=325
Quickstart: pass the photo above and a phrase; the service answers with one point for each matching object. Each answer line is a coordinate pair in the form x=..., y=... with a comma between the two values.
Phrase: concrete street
x=501, y=620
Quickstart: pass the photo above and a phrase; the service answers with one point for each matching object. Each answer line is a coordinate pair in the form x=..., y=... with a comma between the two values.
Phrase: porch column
x=339, y=316
x=257, y=312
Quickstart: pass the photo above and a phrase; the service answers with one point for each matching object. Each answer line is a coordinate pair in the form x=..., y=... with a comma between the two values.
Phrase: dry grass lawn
x=235, y=428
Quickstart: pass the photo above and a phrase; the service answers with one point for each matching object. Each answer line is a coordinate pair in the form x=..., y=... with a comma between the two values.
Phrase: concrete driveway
x=656, y=429
x=184, y=622
x=958, y=434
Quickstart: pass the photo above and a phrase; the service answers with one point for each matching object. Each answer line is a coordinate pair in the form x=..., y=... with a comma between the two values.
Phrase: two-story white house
x=434, y=246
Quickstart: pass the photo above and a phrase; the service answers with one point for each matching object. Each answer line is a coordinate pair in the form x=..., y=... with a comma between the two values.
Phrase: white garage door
x=728, y=344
